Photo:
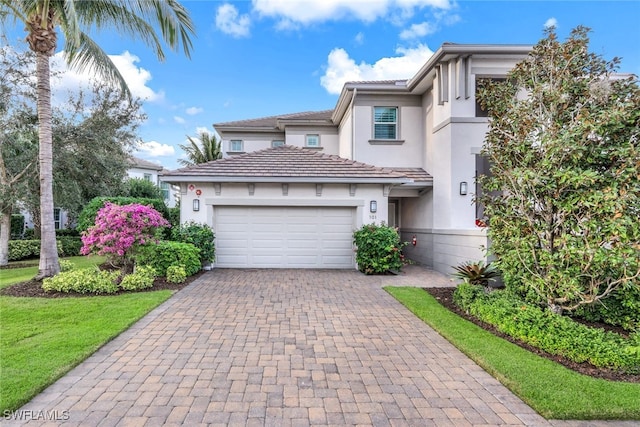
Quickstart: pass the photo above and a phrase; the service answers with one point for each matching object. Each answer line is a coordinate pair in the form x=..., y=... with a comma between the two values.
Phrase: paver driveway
x=282, y=347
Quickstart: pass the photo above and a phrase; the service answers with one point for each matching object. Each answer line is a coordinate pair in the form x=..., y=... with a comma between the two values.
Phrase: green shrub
x=84, y=281
x=199, y=235
x=378, y=249
x=17, y=226
x=66, y=265
x=176, y=274
x=142, y=278
x=166, y=253
x=87, y=217
x=25, y=249
x=465, y=294
x=70, y=246
x=620, y=308
x=67, y=232
x=174, y=216
x=557, y=334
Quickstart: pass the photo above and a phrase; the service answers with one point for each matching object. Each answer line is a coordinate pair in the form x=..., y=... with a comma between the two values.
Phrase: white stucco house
x=291, y=189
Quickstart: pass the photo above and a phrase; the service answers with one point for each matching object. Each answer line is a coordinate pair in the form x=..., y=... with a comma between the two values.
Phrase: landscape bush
x=199, y=235
x=379, y=249
x=176, y=274
x=26, y=249
x=119, y=231
x=142, y=278
x=70, y=246
x=84, y=281
x=66, y=265
x=164, y=254
x=87, y=217
x=620, y=308
x=553, y=333
x=17, y=226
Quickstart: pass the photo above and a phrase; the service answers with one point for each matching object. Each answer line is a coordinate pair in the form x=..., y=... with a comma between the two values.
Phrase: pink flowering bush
x=119, y=231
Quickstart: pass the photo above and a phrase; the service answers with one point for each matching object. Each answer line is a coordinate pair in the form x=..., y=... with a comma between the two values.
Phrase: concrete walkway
x=282, y=348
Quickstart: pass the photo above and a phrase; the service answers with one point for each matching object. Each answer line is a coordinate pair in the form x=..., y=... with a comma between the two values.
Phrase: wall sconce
x=373, y=206
x=463, y=188
x=196, y=205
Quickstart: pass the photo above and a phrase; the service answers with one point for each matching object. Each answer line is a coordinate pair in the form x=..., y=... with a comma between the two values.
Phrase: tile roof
x=287, y=163
x=272, y=121
x=136, y=162
x=416, y=174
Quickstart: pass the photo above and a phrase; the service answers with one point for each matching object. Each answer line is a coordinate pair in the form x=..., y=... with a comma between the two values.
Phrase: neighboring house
x=139, y=168
x=144, y=169
x=291, y=189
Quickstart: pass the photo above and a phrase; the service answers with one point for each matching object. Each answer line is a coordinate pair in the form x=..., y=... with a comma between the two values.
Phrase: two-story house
x=291, y=189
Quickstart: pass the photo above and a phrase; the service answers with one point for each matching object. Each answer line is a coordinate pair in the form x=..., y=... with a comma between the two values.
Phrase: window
x=147, y=177
x=277, y=143
x=236, y=145
x=312, y=141
x=56, y=218
x=164, y=186
x=385, y=122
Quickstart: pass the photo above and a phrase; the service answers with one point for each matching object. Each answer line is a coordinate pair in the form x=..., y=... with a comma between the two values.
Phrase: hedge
x=24, y=249
x=165, y=254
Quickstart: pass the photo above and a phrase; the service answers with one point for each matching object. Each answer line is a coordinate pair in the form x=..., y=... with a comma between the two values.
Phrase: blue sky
x=267, y=57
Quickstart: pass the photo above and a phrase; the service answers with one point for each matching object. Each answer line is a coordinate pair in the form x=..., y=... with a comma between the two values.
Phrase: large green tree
x=141, y=19
x=201, y=150
x=17, y=130
x=563, y=198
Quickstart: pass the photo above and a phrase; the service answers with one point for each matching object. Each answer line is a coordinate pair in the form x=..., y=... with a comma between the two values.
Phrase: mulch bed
x=445, y=297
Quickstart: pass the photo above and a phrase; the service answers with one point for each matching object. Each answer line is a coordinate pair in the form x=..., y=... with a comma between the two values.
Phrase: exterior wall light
x=196, y=205
x=373, y=206
x=463, y=188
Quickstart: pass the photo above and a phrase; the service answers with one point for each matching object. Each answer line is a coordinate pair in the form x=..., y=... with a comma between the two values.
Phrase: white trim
x=229, y=201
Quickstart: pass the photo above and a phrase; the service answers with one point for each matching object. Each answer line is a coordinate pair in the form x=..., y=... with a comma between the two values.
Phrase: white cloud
x=156, y=149
x=192, y=111
x=341, y=68
x=229, y=21
x=179, y=120
x=203, y=129
x=137, y=78
x=551, y=22
x=309, y=11
x=416, y=31
x=359, y=38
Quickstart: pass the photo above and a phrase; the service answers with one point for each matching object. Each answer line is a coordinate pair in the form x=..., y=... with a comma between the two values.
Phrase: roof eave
x=284, y=179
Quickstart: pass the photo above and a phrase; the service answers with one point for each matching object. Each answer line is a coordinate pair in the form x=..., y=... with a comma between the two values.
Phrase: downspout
x=353, y=124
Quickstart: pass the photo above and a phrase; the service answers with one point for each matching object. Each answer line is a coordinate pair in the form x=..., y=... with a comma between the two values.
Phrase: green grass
x=552, y=390
x=41, y=339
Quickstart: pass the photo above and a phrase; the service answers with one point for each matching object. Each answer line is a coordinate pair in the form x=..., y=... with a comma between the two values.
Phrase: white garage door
x=284, y=237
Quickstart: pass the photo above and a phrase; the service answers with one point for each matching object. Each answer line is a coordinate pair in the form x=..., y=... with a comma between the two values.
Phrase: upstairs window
x=236, y=145
x=57, y=218
x=277, y=143
x=147, y=177
x=164, y=186
x=312, y=141
x=385, y=122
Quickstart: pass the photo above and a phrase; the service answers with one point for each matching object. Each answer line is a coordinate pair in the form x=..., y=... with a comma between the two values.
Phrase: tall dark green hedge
x=17, y=226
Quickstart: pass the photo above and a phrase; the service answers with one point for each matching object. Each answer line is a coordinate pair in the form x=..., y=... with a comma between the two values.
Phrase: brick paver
x=282, y=348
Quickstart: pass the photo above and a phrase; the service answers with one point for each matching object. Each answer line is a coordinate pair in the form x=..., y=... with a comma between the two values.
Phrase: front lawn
x=43, y=338
x=549, y=388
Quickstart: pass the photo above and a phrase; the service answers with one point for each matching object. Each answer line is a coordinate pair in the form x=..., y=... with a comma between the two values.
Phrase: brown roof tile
x=272, y=121
x=287, y=162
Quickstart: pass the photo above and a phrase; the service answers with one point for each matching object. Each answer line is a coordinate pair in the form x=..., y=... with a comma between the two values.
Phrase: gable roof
x=276, y=122
x=286, y=164
x=135, y=162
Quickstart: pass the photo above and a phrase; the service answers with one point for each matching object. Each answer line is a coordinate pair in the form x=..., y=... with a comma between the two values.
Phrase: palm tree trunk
x=49, y=264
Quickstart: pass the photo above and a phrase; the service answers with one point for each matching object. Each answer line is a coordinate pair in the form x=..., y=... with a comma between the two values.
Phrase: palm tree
x=208, y=149
x=42, y=19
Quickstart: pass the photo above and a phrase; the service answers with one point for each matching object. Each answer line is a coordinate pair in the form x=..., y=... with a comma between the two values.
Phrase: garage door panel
x=284, y=237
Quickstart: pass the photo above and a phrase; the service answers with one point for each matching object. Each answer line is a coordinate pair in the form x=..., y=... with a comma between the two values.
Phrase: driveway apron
x=281, y=348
